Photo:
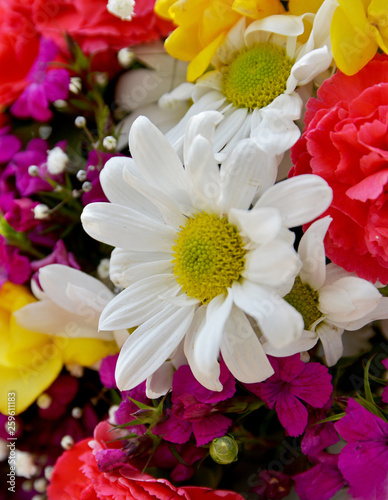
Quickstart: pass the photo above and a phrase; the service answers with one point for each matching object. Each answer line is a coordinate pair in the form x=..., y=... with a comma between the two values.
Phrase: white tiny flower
x=60, y=104
x=67, y=442
x=103, y=269
x=25, y=464
x=109, y=143
x=124, y=9
x=44, y=401
x=81, y=175
x=87, y=186
x=126, y=57
x=45, y=131
x=40, y=485
x=75, y=84
x=80, y=122
x=33, y=170
x=41, y=211
x=57, y=161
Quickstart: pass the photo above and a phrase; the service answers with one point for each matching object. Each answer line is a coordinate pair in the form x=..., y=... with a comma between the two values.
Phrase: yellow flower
x=358, y=29
x=30, y=361
x=202, y=25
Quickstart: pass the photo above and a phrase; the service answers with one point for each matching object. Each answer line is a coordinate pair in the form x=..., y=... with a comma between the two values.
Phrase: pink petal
x=211, y=427
x=292, y=414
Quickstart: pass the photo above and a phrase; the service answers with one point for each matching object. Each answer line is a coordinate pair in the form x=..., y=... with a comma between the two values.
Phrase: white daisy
x=70, y=304
x=194, y=259
x=330, y=299
x=257, y=71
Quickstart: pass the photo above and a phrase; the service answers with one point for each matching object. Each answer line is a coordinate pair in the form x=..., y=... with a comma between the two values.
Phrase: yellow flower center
x=256, y=76
x=208, y=256
x=305, y=301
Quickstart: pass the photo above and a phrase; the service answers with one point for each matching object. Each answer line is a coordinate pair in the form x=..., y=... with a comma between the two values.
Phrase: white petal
x=331, y=338
x=271, y=264
x=305, y=342
x=126, y=228
x=380, y=312
x=242, y=351
x=280, y=24
x=299, y=199
x=55, y=280
x=160, y=382
x=312, y=252
x=241, y=176
x=308, y=67
x=279, y=322
x=150, y=345
x=230, y=127
x=261, y=225
x=203, y=174
x=348, y=299
x=207, y=344
x=138, y=303
x=157, y=160
x=203, y=124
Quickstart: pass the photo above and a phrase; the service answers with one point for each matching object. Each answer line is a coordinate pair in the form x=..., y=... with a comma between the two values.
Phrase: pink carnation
x=346, y=142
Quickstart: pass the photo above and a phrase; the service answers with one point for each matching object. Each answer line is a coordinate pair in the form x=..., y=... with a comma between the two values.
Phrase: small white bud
x=25, y=465
x=87, y=186
x=38, y=497
x=81, y=175
x=124, y=9
x=80, y=122
x=76, y=412
x=125, y=57
x=91, y=167
x=48, y=472
x=109, y=143
x=103, y=269
x=75, y=369
x=60, y=104
x=40, y=485
x=44, y=401
x=57, y=161
x=45, y=131
x=101, y=79
x=75, y=84
x=67, y=442
x=41, y=211
x=75, y=193
x=33, y=170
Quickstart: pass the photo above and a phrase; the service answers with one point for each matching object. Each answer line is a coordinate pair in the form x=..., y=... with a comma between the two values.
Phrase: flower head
x=161, y=215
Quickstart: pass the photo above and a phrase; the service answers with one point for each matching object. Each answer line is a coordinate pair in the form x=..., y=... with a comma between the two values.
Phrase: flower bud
x=67, y=442
x=33, y=171
x=41, y=211
x=87, y=186
x=224, y=450
x=75, y=85
x=121, y=8
x=57, y=161
x=109, y=143
x=125, y=57
x=81, y=175
x=80, y=122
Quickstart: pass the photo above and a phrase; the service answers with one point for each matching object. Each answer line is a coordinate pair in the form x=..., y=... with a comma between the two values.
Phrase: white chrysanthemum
x=257, y=70
x=330, y=299
x=70, y=304
x=194, y=260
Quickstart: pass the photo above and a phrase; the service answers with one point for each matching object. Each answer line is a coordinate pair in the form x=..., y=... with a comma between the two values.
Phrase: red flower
x=76, y=477
x=93, y=27
x=19, y=45
x=346, y=142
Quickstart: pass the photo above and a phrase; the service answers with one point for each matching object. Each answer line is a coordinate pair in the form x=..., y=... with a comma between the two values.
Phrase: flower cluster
x=194, y=249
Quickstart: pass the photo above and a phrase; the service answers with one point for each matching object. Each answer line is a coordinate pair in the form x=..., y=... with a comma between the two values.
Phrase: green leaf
x=333, y=418
x=101, y=119
x=372, y=407
x=81, y=104
x=368, y=392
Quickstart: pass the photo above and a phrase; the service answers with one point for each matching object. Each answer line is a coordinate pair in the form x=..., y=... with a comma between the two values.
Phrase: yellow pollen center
x=256, y=76
x=208, y=256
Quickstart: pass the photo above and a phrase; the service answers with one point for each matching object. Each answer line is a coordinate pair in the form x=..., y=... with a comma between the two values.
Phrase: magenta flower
x=318, y=437
x=194, y=409
x=46, y=86
x=13, y=266
x=293, y=381
x=59, y=255
x=94, y=165
x=322, y=481
x=9, y=145
x=364, y=460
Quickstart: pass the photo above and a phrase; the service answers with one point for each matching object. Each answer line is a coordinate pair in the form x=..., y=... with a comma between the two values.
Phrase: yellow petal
x=217, y=18
x=27, y=382
x=355, y=12
x=201, y=62
x=183, y=43
x=86, y=352
x=378, y=17
x=188, y=12
x=352, y=47
x=257, y=9
x=299, y=7
x=162, y=8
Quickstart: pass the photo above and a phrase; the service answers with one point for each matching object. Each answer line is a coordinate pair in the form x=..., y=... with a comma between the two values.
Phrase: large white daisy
x=330, y=299
x=256, y=73
x=195, y=258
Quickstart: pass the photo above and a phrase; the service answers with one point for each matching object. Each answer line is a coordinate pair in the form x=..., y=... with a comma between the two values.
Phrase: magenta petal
x=318, y=438
x=174, y=430
x=56, y=84
x=292, y=414
x=268, y=391
x=365, y=466
x=9, y=145
x=360, y=425
x=211, y=427
x=107, y=371
x=313, y=385
x=321, y=482
x=288, y=368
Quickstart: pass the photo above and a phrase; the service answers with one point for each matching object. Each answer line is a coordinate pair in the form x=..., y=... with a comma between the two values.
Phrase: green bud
x=224, y=450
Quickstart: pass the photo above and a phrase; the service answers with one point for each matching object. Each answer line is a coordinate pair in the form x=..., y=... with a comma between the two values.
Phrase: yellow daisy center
x=208, y=256
x=256, y=76
x=305, y=301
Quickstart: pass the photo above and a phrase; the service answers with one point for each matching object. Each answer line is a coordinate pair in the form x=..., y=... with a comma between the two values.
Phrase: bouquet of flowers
x=194, y=249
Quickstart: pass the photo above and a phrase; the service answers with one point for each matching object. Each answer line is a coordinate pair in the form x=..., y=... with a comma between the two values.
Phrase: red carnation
x=345, y=141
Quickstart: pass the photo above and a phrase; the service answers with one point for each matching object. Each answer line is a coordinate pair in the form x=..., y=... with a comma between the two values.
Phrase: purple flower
x=94, y=165
x=107, y=371
x=46, y=86
x=20, y=215
x=322, y=481
x=13, y=266
x=194, y=409
x=9, y=145
x=293, y=381
x=364, y=460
